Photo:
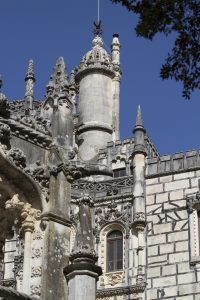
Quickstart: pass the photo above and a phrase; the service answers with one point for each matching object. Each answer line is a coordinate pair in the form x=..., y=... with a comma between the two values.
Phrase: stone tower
x=98, y=77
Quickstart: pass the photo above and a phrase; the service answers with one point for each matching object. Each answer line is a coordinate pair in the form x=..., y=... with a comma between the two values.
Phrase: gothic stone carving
x=111, y=213
x=18, y=157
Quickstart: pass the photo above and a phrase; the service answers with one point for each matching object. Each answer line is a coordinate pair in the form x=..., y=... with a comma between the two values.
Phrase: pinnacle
x=59, y=76
x=30, y=72
x=139, y=122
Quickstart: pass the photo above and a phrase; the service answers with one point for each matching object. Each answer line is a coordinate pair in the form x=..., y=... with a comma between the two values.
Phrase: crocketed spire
x=59, y=78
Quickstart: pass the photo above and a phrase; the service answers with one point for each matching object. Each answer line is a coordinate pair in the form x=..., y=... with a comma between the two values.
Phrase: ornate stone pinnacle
x=30, y=73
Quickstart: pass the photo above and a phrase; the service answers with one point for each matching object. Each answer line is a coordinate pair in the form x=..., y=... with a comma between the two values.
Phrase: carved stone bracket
x=192, y=201
x=71, y=171
x=139, y=220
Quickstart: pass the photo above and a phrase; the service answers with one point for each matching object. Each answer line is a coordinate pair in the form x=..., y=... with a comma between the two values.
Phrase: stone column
x=57, y=226
x=139, y=215
x=82, y=274
x=27, y=215
x=27, y=259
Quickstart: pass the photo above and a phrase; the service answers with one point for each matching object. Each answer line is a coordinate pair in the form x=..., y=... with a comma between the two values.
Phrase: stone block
x=188, y=289
x=177, y=236
x=177, y=185
x=157, y=260
x=179, y=225
x=188, y=297
x=166, y=178
x=184, y=175
x=151, y=181
x=186, y=278
x=171, y=291
x=153, y=272
x=154, y=208
x=154, y=189
x=156, y=239
x=178, y=257
x=160, y=198
x=152, y=251
x=174, y=204
x=169, y=270
x=176, y=195
x=167, y=248
x=181, y=246
x=162, y=228
x=194, y=182
x=191, y=191
x=150, y=200
x=164, y=281
x=184, y=267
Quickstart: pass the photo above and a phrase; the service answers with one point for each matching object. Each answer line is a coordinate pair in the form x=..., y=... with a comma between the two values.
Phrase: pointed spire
x=139, y=123
x=139, y=134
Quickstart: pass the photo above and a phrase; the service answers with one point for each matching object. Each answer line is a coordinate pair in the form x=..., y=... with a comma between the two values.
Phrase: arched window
x=114, y=251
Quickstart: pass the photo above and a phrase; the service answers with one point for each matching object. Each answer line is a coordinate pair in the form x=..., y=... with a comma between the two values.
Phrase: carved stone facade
x=83, y=214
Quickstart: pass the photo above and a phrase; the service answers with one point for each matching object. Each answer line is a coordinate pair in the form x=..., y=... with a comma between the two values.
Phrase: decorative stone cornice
x=71, y=171
x=120, y=291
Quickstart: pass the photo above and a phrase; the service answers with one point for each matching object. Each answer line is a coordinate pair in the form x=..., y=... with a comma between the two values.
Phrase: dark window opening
x=114, y=251
x=119, y=173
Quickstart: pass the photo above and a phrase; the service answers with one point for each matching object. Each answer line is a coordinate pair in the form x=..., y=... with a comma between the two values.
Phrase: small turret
x=29, y=79
x=115, y=48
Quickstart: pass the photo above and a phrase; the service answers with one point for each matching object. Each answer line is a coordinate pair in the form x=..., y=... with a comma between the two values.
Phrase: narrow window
x=114, y=251
x=119, y=173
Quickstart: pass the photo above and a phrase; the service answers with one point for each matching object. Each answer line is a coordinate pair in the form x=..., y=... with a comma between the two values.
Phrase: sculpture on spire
x=98, y=28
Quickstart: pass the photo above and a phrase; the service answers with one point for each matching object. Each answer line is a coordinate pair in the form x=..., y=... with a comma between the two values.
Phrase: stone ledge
x=11, y=294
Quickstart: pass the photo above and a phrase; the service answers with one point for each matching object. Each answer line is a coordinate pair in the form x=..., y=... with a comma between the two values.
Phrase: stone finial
x=97, y=28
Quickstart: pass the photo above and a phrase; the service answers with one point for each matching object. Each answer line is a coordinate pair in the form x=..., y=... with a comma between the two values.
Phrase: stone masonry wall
x=170, y=274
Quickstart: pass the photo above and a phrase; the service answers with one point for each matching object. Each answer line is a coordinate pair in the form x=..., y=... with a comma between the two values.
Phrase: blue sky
x=45, y=29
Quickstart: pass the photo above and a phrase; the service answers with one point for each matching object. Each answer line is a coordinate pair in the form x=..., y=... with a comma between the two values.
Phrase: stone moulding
x=120, y=291
x=95, y=126
x=91, y=69
x=25, y=132
x=11, y=294
x=24, y=181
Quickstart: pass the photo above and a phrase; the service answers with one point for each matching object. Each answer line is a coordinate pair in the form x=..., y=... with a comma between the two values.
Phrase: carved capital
x=23, y=211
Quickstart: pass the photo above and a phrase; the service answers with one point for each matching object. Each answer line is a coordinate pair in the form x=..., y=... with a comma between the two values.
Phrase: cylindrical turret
x=95, y=76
